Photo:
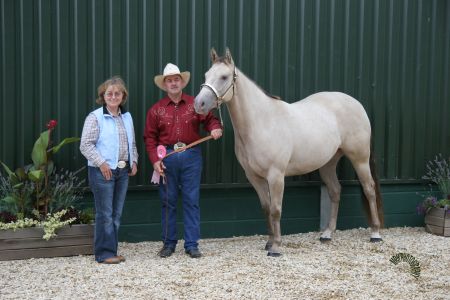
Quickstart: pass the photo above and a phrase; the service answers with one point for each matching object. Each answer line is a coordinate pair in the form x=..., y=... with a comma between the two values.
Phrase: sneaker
x=194, y=253
x=166, y=252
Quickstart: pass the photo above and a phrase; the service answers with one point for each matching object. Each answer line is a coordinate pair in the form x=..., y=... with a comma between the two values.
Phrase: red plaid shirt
x=168, y=123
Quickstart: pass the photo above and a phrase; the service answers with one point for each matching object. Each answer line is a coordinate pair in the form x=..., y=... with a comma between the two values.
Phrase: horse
x=274, y=139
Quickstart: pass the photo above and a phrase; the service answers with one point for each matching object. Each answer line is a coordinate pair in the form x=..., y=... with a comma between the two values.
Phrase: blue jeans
x=183, y=173
x=109, y=196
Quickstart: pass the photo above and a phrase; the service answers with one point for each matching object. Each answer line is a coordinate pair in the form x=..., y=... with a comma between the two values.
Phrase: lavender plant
x=438, y=171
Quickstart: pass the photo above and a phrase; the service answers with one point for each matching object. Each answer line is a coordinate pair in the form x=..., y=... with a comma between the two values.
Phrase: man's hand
x=159, y=167
x=216, y=133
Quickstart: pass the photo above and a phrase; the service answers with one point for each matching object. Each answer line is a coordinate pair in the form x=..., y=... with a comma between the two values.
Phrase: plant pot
x=437, y=221
x=28, y=242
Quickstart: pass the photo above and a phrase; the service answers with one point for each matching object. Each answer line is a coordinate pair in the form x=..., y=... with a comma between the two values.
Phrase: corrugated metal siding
x=391, y=55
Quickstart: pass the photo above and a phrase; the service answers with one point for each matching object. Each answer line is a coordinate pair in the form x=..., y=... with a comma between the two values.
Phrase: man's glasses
x=110, y=94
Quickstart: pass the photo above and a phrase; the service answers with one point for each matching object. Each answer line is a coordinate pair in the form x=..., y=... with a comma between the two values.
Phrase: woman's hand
x=133, y=170
x=106, y=171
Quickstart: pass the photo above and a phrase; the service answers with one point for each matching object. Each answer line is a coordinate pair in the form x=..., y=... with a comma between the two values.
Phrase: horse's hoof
x=268, y=246
x=375, y=240
x=325, y=240
x=273, y=254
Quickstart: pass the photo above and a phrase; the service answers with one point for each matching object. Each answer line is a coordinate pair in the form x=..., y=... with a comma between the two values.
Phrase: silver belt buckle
x=121, y=164
x=179, y=145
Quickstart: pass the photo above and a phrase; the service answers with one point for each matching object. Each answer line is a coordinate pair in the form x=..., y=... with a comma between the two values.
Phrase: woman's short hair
x=116, y=81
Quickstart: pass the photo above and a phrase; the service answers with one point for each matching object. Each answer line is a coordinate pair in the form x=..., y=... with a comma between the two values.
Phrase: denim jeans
x=183, y=174
x=109, y=196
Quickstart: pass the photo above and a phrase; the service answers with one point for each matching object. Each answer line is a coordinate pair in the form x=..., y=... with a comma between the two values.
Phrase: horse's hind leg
x=368, y=185
x=329, y=177
x=262, y=189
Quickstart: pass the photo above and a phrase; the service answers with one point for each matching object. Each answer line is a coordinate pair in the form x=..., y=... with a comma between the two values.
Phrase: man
x=173, y=122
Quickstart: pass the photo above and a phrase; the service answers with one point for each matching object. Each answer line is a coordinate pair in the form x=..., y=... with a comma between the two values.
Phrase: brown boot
x=111, y=260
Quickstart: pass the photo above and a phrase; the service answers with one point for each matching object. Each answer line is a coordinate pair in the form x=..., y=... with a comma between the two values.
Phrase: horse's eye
x=224, y=77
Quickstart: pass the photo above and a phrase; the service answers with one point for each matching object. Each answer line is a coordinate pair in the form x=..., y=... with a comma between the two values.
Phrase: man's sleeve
x=151, y=135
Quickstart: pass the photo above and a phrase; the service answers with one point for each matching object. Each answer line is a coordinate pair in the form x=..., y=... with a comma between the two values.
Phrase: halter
x=220, y=99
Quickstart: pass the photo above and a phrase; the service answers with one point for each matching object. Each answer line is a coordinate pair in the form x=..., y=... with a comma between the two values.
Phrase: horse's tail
x=377, y=188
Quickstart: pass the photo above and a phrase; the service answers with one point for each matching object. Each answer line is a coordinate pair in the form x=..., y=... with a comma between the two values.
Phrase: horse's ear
x=228, y=56
x=213, y=55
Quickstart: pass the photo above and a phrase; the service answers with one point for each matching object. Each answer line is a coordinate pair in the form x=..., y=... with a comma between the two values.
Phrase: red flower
x=52, y=124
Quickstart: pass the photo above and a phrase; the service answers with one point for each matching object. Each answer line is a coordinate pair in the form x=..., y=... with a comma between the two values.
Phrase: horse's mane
x=224, y=60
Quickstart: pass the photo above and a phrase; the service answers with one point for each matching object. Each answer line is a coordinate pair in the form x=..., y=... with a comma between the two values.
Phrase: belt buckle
x=179, y=145
x=121, y=164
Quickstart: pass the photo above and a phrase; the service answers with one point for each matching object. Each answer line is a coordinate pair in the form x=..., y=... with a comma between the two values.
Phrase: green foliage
x=87, y=216
x=36, y=176
x=438, y=171
x=50, y=224
x=54, y=222
x=38, y=192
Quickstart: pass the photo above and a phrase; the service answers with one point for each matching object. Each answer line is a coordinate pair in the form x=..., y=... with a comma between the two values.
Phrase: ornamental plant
x=438, y=172
x=432, y=202
x=39, y=191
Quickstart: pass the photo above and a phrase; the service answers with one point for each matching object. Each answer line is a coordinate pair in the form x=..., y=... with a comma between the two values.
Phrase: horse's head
x=219, y=83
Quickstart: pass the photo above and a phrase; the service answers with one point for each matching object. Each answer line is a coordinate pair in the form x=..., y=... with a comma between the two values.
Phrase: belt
x=176, y=146
x=122, y=164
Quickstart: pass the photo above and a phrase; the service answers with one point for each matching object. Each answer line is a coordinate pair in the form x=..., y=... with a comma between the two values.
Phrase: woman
x=108, y=143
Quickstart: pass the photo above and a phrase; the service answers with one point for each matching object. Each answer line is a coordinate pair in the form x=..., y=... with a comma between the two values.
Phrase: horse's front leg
x=276, y=189
x=262, y=189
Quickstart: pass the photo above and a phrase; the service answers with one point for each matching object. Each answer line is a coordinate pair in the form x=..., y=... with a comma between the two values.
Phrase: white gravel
x=349, y=267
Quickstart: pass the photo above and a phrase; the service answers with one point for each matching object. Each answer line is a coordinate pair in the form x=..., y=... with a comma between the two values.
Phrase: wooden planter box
x=437, y=221
x=28, y=242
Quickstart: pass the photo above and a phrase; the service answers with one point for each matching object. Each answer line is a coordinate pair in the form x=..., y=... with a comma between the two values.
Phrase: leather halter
x=220, y=99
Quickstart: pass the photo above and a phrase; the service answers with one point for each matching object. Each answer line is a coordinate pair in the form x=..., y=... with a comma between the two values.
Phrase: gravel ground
x=349, y=267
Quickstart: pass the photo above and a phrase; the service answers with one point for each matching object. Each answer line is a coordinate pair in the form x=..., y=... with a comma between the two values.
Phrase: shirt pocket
x=165, y=124
x=192, y=121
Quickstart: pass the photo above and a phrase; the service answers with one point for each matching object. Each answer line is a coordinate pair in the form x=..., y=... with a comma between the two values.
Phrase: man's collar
x=167, y=100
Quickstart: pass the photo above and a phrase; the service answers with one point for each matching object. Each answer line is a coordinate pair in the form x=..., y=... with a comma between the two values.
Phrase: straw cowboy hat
x=171, y=69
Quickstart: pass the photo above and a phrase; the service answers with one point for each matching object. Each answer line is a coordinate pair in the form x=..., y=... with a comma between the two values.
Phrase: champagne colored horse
x=274, y=139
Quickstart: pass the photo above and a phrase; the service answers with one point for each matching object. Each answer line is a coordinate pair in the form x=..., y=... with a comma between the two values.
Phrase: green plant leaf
x=21, y=174
x=64, y=142
x=39, y=153
x=8, y=170
x=50, y=166
x=36, y=175
x=9, y=200
x=12, y=176
x=19, y=185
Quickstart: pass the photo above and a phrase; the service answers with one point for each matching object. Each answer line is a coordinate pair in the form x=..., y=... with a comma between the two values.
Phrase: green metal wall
x=392, y=55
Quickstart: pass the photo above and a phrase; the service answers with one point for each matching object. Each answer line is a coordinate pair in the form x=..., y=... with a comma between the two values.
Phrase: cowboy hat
x=169, y=70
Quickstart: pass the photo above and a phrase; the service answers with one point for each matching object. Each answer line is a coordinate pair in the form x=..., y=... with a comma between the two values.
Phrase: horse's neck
x=250, y=106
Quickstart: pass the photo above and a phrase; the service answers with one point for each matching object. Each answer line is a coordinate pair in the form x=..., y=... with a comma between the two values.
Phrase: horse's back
x=347, y=110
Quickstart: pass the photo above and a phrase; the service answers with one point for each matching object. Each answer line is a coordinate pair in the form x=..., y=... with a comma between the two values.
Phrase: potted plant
x=437, y=209
x=38, y=202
